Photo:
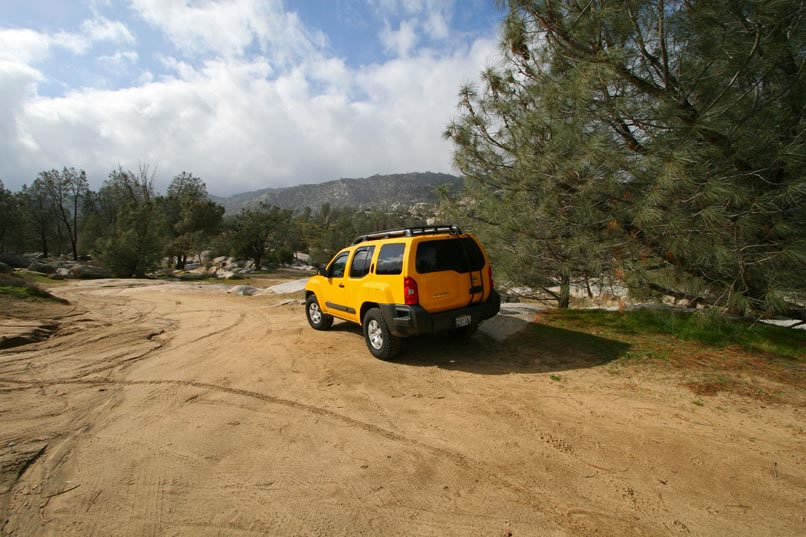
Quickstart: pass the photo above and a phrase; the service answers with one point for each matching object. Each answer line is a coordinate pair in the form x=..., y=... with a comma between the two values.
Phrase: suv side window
x=390, y=260
x=338, y=266
x=361, y=262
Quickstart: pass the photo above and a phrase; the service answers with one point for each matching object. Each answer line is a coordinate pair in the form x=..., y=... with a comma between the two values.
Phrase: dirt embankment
x=177, y=409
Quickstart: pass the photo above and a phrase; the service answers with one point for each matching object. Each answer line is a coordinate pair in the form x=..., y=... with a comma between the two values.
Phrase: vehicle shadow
x=534, y=347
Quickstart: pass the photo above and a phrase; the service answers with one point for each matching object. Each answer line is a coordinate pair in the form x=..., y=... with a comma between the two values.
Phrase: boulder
x=64, y=272
x=220, y=261
x=15, y=261
x=55, y=276
x=89, y=272
x=38, y=266
x=225, y=275
x=4, y=268
x=243, y=290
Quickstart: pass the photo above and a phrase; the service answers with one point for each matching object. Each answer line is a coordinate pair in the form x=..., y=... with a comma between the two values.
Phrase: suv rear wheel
x=380, y=341
x=317, y=319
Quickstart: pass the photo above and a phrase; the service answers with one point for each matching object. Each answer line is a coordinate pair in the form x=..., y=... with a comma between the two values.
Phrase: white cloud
x=229, y=27
x=102, y=29
x=435, y=13
x=119, y=57
x=29, y=46
x=23, y=45
x=428, y=16
x=436, y=26
x=228, y=123
x=400, y=41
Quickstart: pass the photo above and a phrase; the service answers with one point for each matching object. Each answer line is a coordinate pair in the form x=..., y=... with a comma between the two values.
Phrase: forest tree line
x=132, y=230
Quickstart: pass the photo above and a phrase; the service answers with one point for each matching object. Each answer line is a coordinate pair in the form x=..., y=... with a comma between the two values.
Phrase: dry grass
x=757, y=361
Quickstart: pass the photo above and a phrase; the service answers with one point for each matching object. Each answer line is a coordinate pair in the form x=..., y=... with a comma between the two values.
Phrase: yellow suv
x=404, y=282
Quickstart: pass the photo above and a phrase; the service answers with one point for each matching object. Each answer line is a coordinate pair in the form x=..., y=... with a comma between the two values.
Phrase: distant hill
x=379, y=191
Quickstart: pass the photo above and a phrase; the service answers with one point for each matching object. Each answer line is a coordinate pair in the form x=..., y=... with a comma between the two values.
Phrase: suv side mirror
x=321, y=271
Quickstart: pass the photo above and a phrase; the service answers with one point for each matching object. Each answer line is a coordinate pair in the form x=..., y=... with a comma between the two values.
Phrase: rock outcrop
x=15, y=261
x=89, y=272
x=44, y=268
x=16, y=332
x=244, y=290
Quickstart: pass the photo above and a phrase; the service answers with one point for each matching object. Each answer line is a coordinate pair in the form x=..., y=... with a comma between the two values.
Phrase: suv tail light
x=490, y=275
x=410, y=291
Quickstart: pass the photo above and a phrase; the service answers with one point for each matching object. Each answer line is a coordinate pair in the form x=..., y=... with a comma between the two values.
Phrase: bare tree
x=66, y=190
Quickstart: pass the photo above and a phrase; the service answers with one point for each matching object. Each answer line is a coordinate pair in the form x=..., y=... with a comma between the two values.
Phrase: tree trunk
x=565, y=291
x=43, y=237
x=74, y=230
x=588, y=286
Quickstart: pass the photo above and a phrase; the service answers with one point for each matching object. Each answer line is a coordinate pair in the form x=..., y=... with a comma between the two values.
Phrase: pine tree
x=136, y=233
x=257, y=231
x=190, y=216
x=8, y=214
x=659, y=141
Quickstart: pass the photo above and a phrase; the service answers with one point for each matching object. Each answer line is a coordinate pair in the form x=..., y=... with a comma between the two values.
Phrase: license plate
x=462, y=320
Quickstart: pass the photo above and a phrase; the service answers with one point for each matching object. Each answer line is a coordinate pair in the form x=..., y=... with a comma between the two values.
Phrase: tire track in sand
x=528, y=494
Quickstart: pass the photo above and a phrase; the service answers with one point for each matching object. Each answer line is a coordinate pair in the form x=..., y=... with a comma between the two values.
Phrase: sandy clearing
x=177, y=409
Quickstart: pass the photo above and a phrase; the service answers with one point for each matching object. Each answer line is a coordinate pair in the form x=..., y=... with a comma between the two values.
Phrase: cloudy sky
x=244, y=93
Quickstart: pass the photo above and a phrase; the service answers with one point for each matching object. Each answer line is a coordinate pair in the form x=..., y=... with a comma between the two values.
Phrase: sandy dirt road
x=176, y=409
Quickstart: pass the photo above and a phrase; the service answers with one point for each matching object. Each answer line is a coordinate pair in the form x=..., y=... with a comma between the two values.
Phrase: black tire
x=317, y=319
x=380, y=341
x=464, y=333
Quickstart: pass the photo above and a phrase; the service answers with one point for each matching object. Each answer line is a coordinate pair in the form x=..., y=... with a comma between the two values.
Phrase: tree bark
x=44, y=239
x=564, y=299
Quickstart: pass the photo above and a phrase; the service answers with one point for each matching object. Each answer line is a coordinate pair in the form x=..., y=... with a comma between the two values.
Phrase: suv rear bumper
x=405, y=320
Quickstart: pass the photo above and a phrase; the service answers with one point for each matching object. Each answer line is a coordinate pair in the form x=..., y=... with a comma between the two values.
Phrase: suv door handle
x=341, y=285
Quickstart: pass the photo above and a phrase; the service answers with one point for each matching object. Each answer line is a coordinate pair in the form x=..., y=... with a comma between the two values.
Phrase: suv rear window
x=390, y=260
x=461, y=255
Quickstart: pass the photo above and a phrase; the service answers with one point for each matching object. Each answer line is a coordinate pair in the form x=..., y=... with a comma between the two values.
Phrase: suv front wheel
x=380, y=341
x=317, y=319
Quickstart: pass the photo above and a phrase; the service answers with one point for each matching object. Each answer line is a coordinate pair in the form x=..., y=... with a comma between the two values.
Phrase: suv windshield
x=461, y=255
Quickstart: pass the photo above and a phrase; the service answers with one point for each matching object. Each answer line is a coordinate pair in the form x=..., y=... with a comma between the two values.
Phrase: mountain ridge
x=389, y=191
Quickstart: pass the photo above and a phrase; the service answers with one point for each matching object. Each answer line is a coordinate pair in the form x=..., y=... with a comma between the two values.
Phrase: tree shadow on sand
x=534, y=348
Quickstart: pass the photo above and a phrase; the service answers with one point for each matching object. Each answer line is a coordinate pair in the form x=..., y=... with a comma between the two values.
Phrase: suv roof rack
x=409, y=232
